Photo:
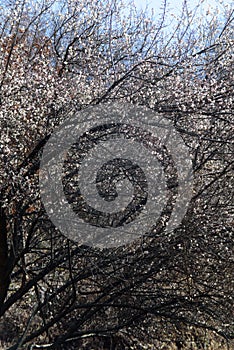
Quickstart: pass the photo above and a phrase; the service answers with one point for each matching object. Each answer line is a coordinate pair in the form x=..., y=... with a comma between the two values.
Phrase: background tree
x=58, y=57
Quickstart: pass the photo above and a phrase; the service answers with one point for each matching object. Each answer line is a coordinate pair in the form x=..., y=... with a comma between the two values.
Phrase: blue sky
x=175, y=5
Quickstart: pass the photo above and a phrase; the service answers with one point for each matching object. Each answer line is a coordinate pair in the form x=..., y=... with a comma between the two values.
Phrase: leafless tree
x=59, y=57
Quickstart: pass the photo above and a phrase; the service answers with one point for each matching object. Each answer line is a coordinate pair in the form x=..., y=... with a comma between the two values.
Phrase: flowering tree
x=57, y=58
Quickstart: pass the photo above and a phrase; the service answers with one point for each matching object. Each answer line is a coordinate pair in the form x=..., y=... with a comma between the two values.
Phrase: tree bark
x=4, y=278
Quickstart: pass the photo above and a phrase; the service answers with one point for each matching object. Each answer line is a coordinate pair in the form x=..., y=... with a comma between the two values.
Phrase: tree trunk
x=4, y=278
